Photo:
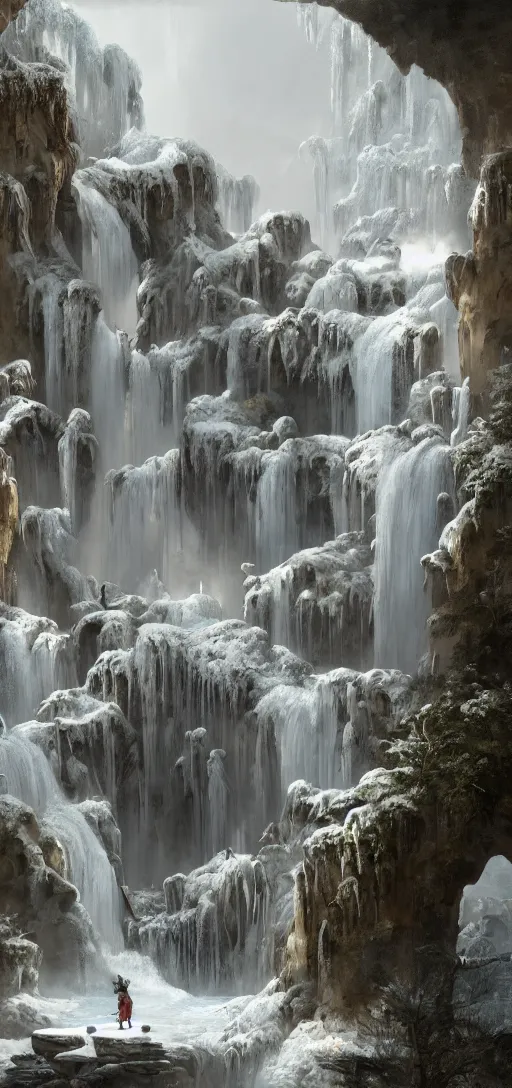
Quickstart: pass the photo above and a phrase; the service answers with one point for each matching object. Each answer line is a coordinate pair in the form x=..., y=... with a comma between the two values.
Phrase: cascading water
x=393, y=141
x=108, y=259
x=276, y=410
x=107, y=395
x=405, y=530
x=30, y=778
x=306, y=722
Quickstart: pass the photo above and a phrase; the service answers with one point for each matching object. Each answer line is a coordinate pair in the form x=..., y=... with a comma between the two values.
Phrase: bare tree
x=418, y=1041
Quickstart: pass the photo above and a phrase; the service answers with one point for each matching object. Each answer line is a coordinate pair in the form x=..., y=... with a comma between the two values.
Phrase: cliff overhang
x=465, y=46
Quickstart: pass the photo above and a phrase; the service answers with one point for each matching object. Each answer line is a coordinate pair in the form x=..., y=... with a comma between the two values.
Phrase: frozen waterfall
x=219, y=418
x=29, y=777
x=407, y=527
x=108, y=259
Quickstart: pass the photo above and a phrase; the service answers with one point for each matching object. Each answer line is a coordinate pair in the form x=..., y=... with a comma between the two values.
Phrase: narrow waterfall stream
x=31, y=779
x=227, y=421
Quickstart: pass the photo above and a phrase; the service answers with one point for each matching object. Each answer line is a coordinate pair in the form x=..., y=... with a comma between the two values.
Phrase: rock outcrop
x=9, y=10
x=273, y=411
x=41, y=900
x=480, y=283
x=8, y=524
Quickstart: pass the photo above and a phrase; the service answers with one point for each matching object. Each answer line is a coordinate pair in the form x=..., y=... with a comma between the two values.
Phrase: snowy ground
x=173, y=1015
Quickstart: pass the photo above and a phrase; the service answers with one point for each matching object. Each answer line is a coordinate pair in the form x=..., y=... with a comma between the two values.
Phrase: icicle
x=399, y=136
x=105, y=83
x=237, y=199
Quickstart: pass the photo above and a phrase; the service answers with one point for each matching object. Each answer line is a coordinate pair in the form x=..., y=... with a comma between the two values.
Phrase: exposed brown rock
x=471, y=572
x=385, y=863
x=14, y=224
x=9, y=10
x=26, y=884
x=43, y=903
x=37, y=156
x=480, y=283
x=384, y=870
x=8, y=521
x=36, y=137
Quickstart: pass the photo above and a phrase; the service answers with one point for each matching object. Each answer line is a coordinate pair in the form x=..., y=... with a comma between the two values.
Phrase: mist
x=237, y=76
x=230, y=422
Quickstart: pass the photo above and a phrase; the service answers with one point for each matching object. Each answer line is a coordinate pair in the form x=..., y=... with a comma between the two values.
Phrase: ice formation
x=226, y=413
x=104, y=83
x=395, y=145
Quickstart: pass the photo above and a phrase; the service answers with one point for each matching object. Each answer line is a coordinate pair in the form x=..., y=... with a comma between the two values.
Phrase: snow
x=223, y=396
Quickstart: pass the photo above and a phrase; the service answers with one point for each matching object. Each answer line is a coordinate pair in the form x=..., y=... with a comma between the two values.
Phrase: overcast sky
x=238, y=76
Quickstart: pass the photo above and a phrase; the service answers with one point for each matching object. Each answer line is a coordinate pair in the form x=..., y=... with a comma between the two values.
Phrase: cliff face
x=9, y=10
x=36, y=138
x=466, y=47
x=380, y=867
x=385, y=864
x=36, y=157
x=480, y=283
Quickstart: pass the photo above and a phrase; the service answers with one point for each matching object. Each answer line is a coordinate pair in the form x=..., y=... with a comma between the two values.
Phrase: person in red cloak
x=124, y=1002
x=125, y=1006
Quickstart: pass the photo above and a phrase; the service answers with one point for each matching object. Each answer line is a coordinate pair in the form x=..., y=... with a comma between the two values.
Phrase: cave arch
x=447, y=41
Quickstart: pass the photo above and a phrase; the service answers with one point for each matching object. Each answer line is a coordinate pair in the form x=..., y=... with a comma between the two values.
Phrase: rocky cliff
x=9, y=10
x=255, y=368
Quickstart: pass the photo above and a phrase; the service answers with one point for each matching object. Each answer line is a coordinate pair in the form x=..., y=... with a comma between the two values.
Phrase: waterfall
x=218, y=795
x=145, y=507
x=237, y=199
x=373, y=374
x=108, y=392
x=225, y=399
x=104, y=108
x=461, y=408
x=108, y=259
x=307, y=733
x=407, y=528
x=51, y=288
x=30, y=778
x=277, y=531
x=44, y=658
x=394, y=138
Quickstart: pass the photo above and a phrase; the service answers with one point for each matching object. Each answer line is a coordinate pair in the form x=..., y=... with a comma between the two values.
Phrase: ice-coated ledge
x=69, y=1049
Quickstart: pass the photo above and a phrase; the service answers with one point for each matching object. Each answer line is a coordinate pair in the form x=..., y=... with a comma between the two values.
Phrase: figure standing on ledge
x=124, y=1001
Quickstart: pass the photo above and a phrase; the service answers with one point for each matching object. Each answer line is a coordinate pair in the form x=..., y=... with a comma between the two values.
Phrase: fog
x=237, y=76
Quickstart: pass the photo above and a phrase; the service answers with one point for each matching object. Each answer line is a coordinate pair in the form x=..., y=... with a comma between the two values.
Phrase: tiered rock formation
x=287, y=413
